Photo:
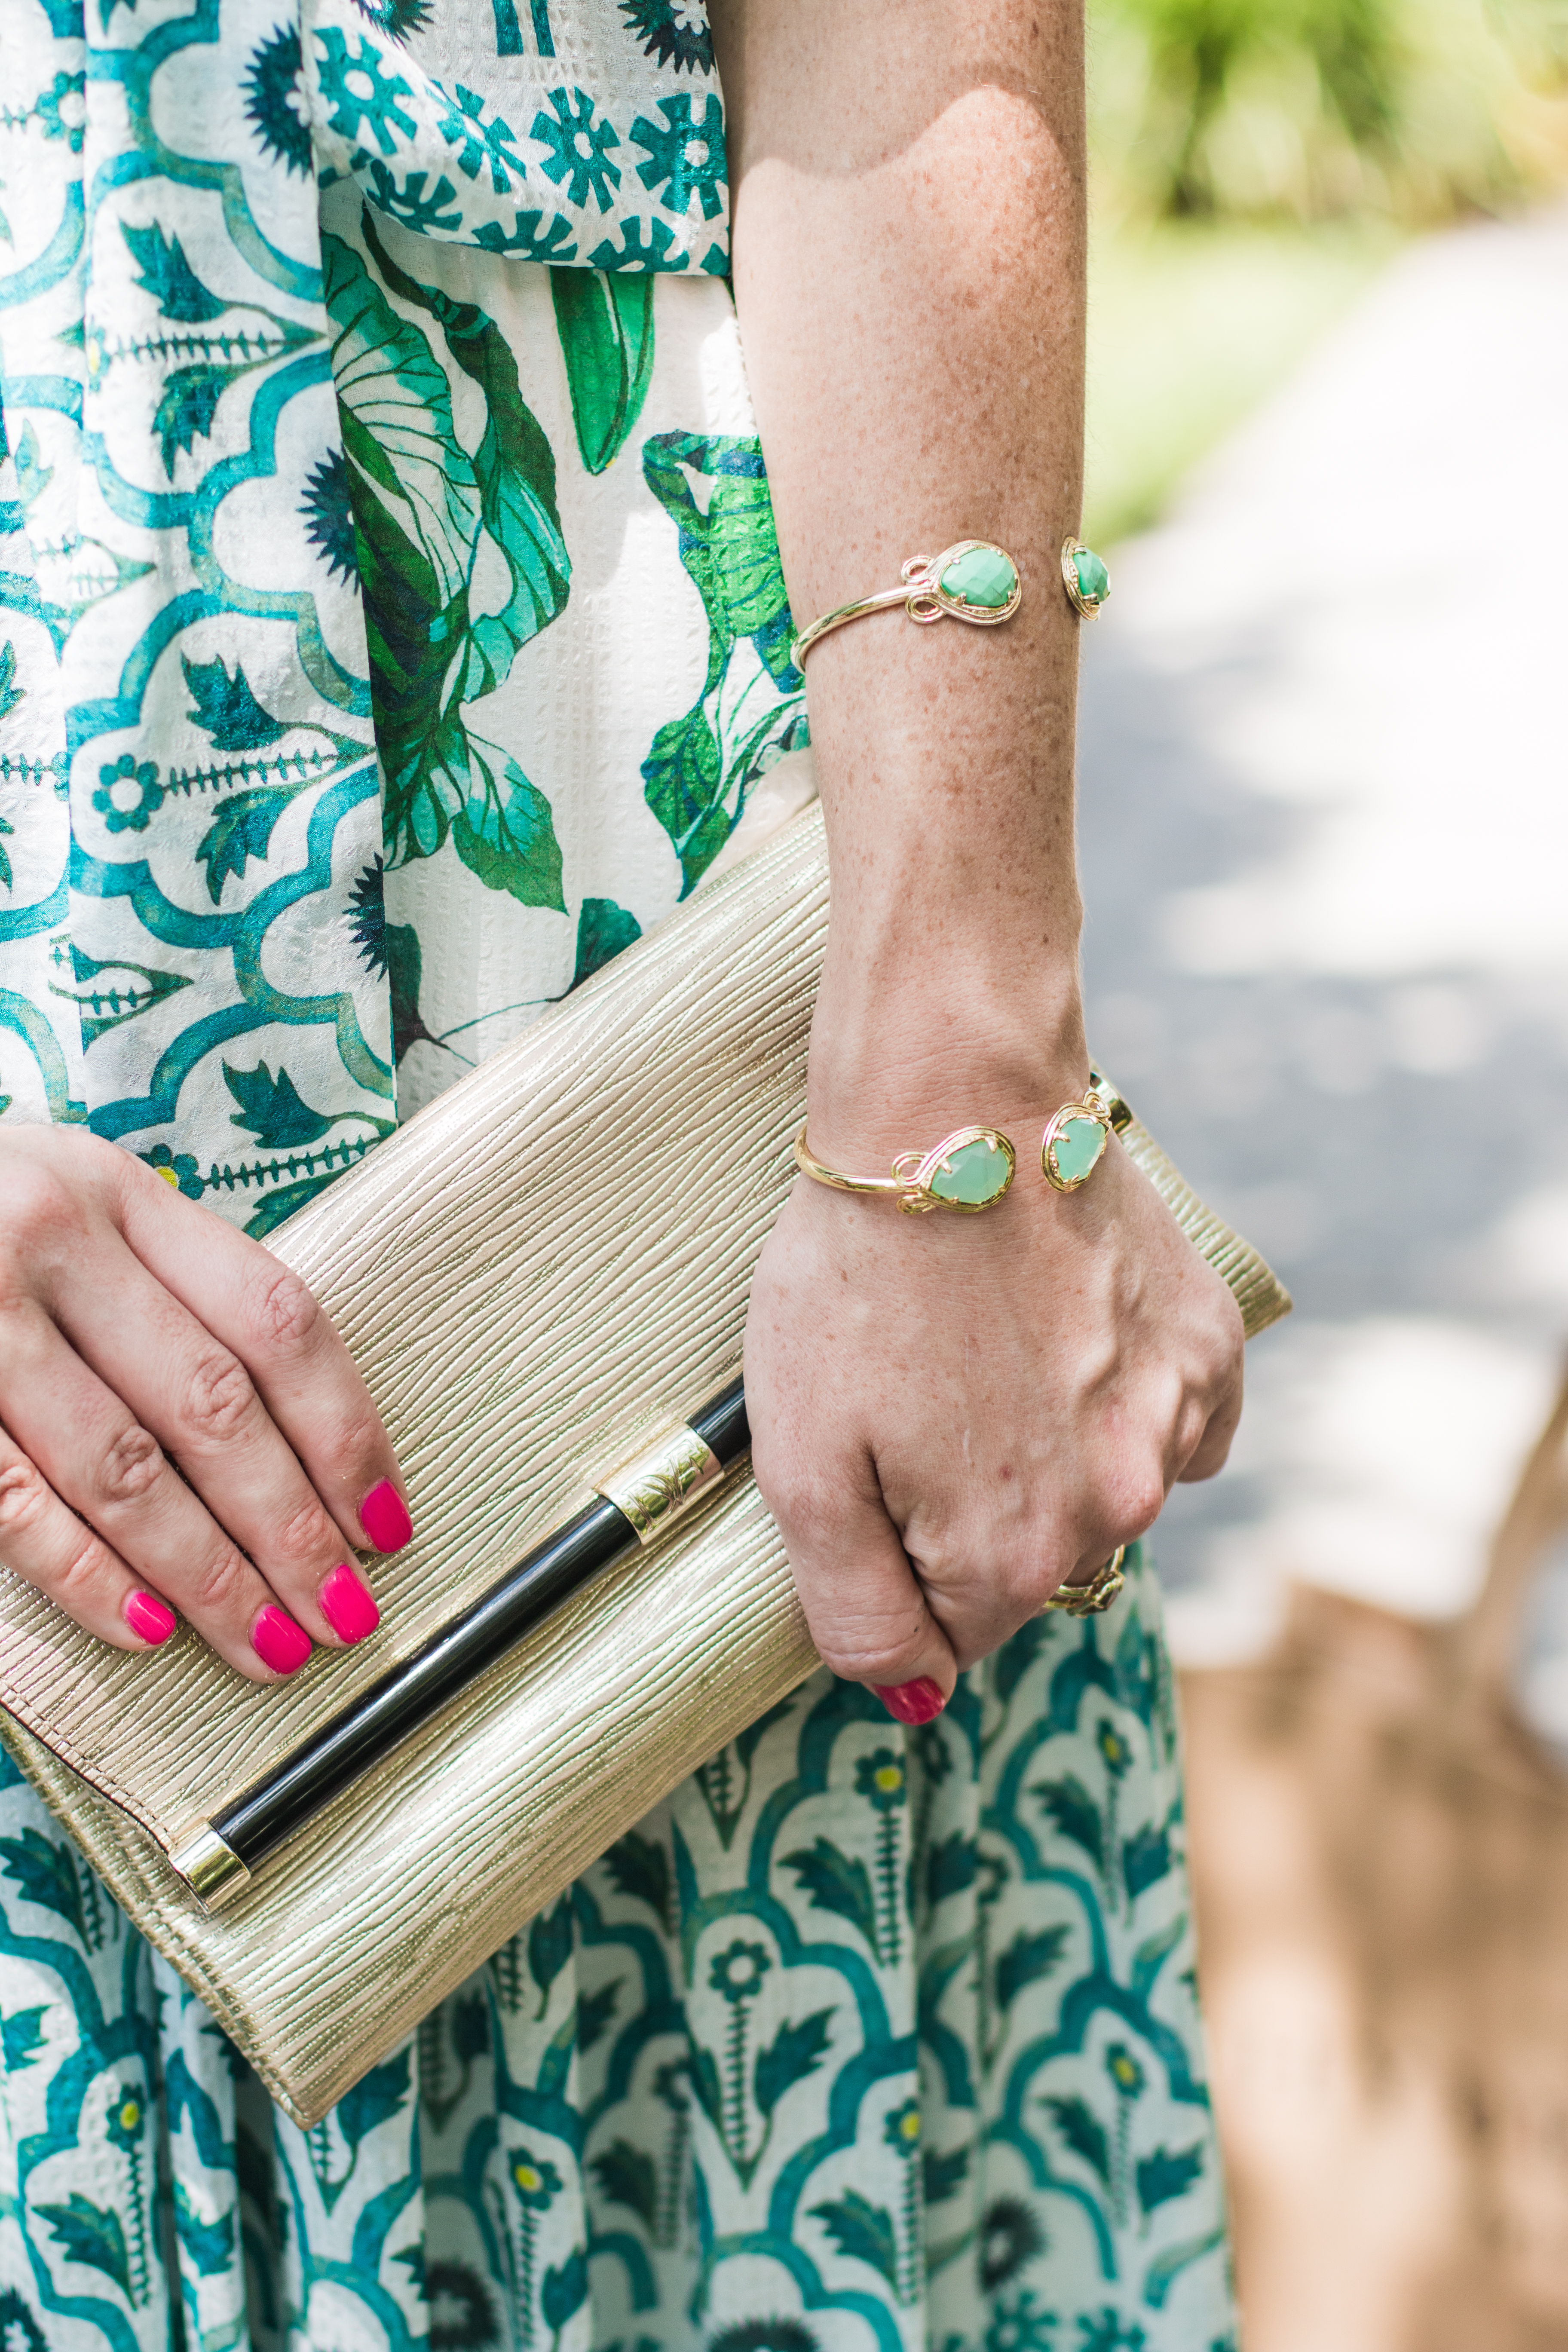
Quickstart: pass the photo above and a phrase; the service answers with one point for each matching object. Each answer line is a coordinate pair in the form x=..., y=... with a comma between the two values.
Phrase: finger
x=1129, y=1497
x=867, y=1615
x=48, y=1546
x=1213, y=1449
x=112, y=1472
x=302, y=1371
x=202, y=1405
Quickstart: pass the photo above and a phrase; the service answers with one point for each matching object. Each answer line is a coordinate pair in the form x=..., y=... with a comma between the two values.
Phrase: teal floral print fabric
x=594, y=137
x=865, y=2041
x=392, y=629
x=271, y=500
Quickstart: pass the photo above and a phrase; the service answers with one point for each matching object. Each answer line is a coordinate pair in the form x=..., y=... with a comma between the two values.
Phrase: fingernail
x=383, y=1519
x=278, y=1642
x=146, y=1614
x=912, y=1703
x=348, y=1604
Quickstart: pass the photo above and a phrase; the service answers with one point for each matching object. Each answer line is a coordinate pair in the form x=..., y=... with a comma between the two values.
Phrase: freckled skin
x=1001, y=1398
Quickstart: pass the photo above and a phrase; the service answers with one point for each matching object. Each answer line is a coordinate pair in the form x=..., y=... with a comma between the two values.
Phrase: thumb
x=863, y=1602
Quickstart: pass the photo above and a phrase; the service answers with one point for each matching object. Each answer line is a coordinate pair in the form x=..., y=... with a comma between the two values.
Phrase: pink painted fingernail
x=382, y=1516
x=912, y=1703
x=348, y=1605
x=278, y=1642
x=146, y=1614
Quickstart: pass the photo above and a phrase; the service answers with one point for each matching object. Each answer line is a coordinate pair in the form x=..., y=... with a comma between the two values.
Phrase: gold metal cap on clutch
x=212, y=1870
x=664, y=1479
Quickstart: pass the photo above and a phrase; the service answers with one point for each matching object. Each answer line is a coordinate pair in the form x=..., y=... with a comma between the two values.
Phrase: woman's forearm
x=909, y=273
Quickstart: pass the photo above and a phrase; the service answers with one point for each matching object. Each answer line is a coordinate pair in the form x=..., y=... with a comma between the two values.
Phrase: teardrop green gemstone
x=983, y=575
x=1076, y=1146
x=1093, y=579
x=976, y=1174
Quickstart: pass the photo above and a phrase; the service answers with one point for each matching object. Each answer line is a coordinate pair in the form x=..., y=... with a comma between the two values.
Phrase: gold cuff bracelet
x=971, y=580
x=971, y=1169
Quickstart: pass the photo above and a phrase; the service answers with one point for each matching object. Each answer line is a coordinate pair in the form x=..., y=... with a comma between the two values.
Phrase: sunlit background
x=1324, y=748
x=1324, y=789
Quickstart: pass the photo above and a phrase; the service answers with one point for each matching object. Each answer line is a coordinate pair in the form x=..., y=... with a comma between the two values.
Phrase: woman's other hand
x=139, y=1332
x=955, y=1414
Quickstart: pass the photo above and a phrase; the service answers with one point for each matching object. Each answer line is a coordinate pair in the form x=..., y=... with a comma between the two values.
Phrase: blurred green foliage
x=1254, y=164
x=1417, y=110
x=1191, y=324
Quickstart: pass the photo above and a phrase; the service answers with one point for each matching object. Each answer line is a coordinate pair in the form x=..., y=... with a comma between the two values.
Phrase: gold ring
x=1089, y=1600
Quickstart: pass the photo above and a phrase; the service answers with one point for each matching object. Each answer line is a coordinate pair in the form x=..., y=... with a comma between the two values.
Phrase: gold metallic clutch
x=541, y=1273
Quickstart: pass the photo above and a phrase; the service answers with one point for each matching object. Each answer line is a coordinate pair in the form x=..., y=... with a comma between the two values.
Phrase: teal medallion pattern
x=866, y=2040
x=392, y=629
x=277, y=518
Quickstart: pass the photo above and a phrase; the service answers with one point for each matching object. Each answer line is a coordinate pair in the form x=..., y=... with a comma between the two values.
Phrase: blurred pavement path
x=1324, y=793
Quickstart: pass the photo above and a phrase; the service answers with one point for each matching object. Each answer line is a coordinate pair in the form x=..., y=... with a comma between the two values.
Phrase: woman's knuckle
x=76, y=1580
x=39, y=1211
x=132, y=1466
x=220, y=1400
x=799, y=1504
x=858, y=1660
x=1140, y=1499
x=284, y=1312
x=359, y=1438
x=299, y=1537
x=24, y=1499
x=219, y=1583
x=873, y=1645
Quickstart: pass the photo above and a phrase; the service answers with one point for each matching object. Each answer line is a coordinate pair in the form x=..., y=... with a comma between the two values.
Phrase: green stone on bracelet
x=974, y=1175
x=1093, y=579
x=1085, y=578
x=983, y=575
x=1077, y=1145
x=1072, y=1145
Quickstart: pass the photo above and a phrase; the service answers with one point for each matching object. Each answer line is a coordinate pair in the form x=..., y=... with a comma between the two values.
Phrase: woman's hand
x=138, y=1332
x=955, y=1415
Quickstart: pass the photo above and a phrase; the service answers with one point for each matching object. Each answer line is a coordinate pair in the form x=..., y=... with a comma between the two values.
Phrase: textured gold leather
x=543, y=1269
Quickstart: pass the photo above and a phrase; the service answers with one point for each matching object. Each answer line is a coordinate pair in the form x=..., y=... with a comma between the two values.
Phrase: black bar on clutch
x=257, y=1822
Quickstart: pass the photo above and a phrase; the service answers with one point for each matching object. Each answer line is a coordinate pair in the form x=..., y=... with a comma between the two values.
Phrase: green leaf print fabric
x=392, y=630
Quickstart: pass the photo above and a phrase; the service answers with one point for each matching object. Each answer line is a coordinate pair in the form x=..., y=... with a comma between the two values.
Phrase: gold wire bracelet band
x=968, y=1171
x=972, y=580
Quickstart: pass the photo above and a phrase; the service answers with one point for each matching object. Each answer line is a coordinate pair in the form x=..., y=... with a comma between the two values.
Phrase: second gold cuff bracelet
x=973, y=580
x=973, y=1168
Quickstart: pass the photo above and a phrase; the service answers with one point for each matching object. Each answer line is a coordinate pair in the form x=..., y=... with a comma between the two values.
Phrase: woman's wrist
x=888, y=1074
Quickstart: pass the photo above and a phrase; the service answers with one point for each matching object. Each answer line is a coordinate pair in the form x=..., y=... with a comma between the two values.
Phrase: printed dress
x=392, y=630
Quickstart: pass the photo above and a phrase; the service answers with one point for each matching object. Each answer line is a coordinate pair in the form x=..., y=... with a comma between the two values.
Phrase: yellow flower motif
x=534, y=2177
x=125, y=2117
x=881, y=1776
x=1124, y=2070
